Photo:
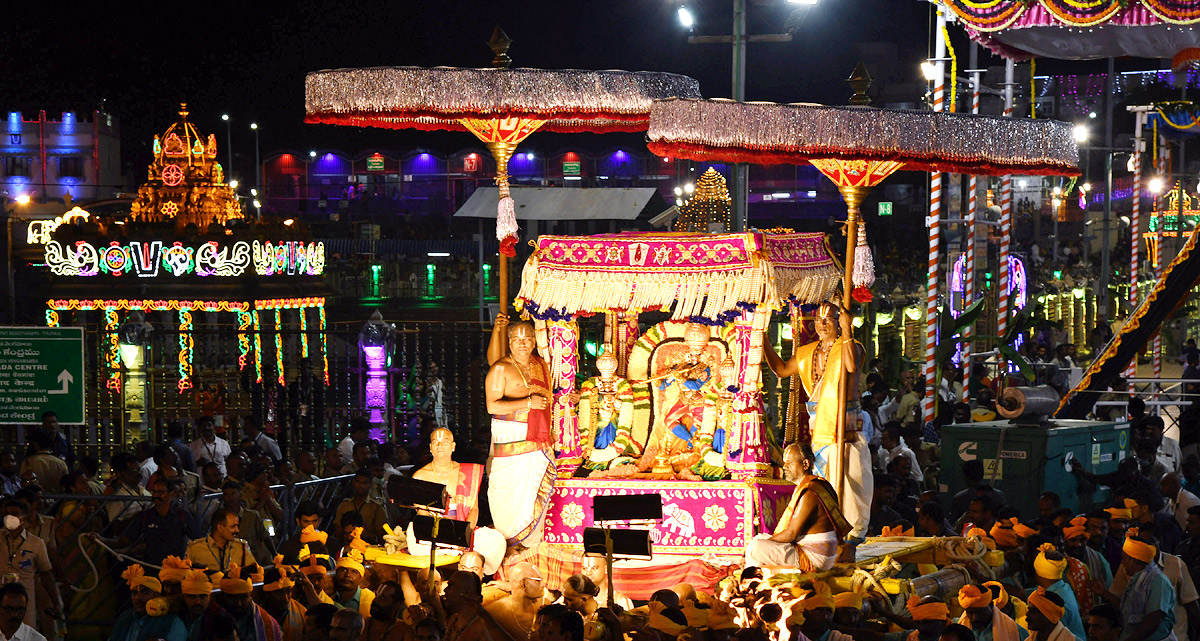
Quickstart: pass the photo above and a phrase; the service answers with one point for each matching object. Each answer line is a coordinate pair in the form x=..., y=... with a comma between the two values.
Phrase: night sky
x=249, y=59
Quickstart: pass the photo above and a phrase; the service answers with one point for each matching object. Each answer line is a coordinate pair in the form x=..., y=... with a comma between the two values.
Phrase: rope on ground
x=83, y=540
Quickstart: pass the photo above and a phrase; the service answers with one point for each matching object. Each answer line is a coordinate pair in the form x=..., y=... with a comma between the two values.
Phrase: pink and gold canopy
x=1080, y=29
x=772, y=133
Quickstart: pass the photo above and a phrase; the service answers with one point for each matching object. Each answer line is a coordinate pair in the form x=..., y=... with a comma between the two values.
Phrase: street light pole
x=739, y=176
x=739, y=182
x=228, y=146
x=257, y=166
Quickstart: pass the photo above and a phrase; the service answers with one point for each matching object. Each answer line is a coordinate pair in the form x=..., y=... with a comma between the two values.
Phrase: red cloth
x=557, y=564
x=641, y=582
x=538, y=426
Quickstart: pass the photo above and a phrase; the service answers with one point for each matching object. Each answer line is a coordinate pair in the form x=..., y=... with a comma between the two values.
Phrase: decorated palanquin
x=676, y=409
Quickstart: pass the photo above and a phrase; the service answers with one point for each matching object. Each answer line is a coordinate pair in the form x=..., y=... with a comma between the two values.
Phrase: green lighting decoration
x=186, y=346
x=303, y=334
x=708, y=208
x=244, y=320
x=257, y=350
x=278, y=348
x=324, y=351
x=112, y=354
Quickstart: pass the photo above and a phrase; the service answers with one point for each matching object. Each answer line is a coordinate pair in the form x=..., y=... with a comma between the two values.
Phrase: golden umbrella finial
x=860, y=81
x=499, y=44
x=183, y=111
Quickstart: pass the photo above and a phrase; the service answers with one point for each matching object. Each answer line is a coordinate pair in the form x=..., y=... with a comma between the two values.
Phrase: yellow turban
x=174, y=569
x=1001, y=599
x=135, y=576
x=1123, y=514
x=821, y=597
x=1076, y=529
x=1046, y=568
x=928, y=612
x=347, y=562
x=1022, y=530
x=310, y=534
x=234, y=584
x=661, y=623
x=721, y=616
x=852, y=600
x=196, y=582
x=1005, y=537
x=1047, y=607
x=356, y=541
x=970, y=596
x=1143, y=552
x=897, y=531
x=696, y=617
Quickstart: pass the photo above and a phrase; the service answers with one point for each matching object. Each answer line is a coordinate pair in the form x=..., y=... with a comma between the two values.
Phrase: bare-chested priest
x=521, y=477
x=516, y=612
x=461, y=479
x=810, y=529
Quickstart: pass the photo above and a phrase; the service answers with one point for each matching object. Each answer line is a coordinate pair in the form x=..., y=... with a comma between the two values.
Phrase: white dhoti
x=820, y=552
x=855, y=499
x=520, y=482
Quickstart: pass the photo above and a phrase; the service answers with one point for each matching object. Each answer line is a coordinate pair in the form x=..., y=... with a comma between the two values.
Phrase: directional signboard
x=41, y=370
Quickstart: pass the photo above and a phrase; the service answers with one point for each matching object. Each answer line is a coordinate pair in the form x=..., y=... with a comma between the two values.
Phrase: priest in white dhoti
x=522, y=472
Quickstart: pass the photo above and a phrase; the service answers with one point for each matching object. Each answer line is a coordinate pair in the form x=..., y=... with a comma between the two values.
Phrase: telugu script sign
x=41, y=370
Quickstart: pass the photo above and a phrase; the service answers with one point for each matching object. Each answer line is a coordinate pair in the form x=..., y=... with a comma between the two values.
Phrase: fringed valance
x=709, y=276
x=569, y=100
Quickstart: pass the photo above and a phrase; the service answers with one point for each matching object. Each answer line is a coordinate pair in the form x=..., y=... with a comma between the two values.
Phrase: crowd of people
x=201, y=518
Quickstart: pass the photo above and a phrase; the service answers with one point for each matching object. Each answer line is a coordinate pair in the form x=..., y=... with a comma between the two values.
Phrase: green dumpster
x=1023, y=461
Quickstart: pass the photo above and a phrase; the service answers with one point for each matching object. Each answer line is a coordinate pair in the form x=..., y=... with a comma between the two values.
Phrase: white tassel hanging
x=506, y=218
x=864, y=264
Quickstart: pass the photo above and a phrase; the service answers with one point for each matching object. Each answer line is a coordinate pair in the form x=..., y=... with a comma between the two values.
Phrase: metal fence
x=304, y=412
x=95, y=593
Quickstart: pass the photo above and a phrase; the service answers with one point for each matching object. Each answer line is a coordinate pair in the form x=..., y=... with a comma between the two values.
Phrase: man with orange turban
x=818, y=608
x=1187, y=602
x=197, y=598
x=1006, y=603
x=981, y=615
x=147, y=619
x=276, y=599
x=1148, y=601
x=347, y=589
x=1046, y=610
x=1075, y=544
x=253, y=623
x=1051, y=566
x=930, y=614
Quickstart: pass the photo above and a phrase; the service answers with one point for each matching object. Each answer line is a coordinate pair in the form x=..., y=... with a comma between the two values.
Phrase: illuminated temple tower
x=185, y=182
x=141, y=281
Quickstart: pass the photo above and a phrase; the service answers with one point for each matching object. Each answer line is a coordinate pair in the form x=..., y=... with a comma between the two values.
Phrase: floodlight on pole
x=808, y=2
x=929, y=70
x=1080, y=132
x=685, y=17
x=1155, y=185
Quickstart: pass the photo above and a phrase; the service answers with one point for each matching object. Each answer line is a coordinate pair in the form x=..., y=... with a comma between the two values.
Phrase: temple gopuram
x=182, y=256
